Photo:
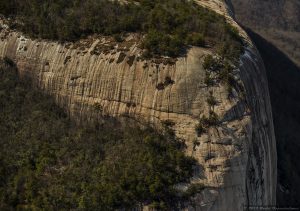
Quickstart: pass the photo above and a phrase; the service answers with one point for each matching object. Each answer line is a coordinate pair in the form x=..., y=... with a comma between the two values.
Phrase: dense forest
x=49, y=163
x=169, y=26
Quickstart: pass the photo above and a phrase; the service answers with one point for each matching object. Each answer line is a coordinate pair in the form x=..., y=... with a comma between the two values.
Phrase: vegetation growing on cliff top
x=47, y=163
x=170, y=25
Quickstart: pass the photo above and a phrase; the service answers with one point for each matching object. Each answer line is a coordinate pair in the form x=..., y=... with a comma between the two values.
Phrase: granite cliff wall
x=97, y=76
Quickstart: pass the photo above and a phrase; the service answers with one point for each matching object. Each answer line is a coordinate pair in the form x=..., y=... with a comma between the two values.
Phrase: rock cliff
x=97, y=76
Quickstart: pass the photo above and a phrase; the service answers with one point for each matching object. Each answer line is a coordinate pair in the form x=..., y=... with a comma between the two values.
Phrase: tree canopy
x=169, y=26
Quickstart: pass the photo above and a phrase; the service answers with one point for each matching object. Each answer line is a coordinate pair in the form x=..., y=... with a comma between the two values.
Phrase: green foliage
x=98, y=107
x=206, y=122
x=118, y=38
x=194, y=189
x=227, y=78
x=212, y=120
x=211, y=100
x=157, y=42
x=200, y=128
x=168, y=123
x=211, y=63
x=49, y=163
x=224, y=70
x=168, y=81
x=196, y=39
x=208, y=80
x=208, y=62
x=170, y=25
x=168, y=128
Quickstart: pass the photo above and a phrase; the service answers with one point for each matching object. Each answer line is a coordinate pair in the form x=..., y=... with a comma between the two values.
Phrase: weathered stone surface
x=237, y=159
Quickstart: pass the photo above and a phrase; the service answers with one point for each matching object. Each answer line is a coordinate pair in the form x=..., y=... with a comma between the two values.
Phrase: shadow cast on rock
x=284, y=85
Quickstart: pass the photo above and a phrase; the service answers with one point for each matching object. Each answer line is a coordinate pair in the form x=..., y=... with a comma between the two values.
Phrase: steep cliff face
x=284, y=78
x=274, y=26
x=96, y=77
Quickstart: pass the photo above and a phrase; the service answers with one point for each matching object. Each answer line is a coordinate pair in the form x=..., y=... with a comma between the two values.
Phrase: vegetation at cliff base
x=169, y=26
x=49, y=163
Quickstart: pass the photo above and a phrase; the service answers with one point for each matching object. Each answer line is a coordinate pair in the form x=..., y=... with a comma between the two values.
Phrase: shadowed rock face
x=284, y=79
x=95, y=77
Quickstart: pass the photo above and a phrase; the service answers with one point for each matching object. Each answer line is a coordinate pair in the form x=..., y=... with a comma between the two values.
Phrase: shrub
x=9, y=61
x=200, y=128
x=159, y=43
x=213, y=119
x=196, y=39
x=211, y=100
x=98, y=107
x=211, y=64
x=168, y=81
x=160, y=86
x=208, y=80
x=194, y=189
x=205, y=123
x=227, y=78
x=208, y=62
x=168, y=123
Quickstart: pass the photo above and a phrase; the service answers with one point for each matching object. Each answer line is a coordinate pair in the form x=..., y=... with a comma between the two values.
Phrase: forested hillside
x=169, y=26
x=49, y=163
x=277, y=21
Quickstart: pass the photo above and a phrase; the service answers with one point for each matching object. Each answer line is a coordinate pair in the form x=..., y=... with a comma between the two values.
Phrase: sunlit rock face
x=97, y=77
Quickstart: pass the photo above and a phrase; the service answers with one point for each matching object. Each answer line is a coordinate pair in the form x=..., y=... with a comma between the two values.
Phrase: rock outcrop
x=97, y=76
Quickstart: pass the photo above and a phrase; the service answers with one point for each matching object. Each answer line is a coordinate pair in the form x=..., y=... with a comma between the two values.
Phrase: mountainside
x=277, y=21
x=221, y=109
